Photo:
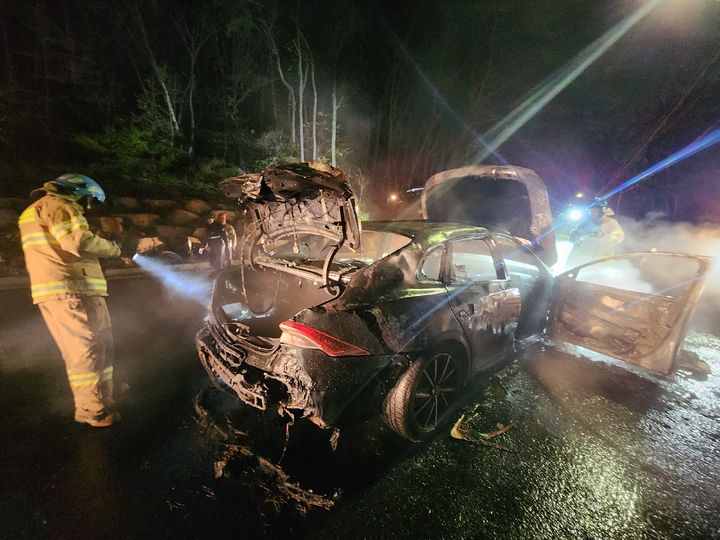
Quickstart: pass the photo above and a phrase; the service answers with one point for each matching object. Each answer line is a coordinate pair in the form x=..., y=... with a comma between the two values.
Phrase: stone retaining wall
x=125, y=219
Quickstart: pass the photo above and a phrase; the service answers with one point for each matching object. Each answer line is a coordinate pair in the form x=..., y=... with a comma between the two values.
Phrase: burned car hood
x=298, y=216
x=509, y=198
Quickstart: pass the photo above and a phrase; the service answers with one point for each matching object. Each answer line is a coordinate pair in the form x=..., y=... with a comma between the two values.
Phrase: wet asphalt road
x=597, y=451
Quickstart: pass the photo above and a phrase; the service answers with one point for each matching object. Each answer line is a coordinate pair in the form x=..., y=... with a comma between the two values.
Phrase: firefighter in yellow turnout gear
x=68, y=285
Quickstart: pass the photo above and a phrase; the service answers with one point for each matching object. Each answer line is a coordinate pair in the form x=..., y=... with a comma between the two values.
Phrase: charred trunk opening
x=257, y=300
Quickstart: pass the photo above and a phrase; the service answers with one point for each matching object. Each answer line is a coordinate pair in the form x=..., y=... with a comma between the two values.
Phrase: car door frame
x=500, y=285
x=536, y=302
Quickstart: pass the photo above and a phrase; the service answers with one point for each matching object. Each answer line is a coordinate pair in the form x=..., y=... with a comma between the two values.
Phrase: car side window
x=523, y=268
x=430, y=268
x=471, y=261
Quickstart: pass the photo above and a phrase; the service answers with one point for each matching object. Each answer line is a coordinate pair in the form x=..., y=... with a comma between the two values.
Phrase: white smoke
x=654, y=233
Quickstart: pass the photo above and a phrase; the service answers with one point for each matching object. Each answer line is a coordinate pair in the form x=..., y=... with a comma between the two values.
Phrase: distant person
x=68, y=285
x=217, y=242
x=599, y=234
x=231, y=236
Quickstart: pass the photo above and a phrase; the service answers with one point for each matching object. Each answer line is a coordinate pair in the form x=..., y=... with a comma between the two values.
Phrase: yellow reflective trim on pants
x=96, y=284
x=28, y=216
x=84, y=379
x=82, y=384
x=83, y=376
x=107, y=374
x=50, y=287
x=37, y=243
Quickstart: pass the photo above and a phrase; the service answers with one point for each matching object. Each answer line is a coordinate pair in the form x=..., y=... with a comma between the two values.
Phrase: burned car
x=334, y=320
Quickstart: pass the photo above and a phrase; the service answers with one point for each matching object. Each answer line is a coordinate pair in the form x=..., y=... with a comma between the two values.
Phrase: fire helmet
x=603, y=206
x=80, y=185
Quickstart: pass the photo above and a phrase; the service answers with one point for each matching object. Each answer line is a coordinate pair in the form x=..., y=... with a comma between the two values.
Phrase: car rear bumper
x=224, y=365
x=326, y=389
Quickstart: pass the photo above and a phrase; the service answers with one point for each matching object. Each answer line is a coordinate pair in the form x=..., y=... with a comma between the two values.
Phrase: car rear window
x=374, y=246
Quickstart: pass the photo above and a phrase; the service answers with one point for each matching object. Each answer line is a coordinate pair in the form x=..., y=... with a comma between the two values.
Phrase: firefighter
x=230, y=234
x=600, y=233
x=217, y=242
x=68, y=285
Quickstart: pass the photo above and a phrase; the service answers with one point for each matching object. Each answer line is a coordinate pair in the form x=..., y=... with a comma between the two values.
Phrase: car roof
x=423, y=232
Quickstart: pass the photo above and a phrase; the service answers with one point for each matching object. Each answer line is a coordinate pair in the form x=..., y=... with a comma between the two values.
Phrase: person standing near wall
x=217, y=242
x=69, y=288
x=230, y=234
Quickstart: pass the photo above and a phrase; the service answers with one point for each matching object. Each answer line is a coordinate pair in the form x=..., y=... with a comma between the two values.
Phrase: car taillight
x=306, y=337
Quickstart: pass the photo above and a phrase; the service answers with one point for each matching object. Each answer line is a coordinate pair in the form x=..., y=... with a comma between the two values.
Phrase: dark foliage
x=160, y=93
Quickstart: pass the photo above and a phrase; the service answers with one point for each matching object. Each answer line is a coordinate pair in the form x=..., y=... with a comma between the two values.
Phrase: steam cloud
x=653, y=233
x=703, y=239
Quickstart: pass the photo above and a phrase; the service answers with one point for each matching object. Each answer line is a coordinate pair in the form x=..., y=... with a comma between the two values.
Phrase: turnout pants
x=218, y=255
x=80, y=326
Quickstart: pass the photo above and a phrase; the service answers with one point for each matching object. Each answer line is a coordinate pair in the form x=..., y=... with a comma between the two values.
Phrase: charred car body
x=334, y=322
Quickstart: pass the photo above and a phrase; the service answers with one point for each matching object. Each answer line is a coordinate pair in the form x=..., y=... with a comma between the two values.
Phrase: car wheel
x=169, y=257
x=425, y=395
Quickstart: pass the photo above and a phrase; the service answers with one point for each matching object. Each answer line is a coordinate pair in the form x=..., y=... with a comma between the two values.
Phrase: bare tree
x=193, y=39
x=301, y=82
x=244, y=74
x=315, y=111
x=337, y=102
x=161, y=75
x=360, y=182
x=339, y=40
x=292, y=103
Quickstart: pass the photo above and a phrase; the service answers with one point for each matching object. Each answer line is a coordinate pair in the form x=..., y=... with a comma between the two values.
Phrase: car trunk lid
x=298, y=218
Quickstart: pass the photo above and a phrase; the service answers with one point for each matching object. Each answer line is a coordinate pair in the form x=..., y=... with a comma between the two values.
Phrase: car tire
x=425, y=395
x=169, y=257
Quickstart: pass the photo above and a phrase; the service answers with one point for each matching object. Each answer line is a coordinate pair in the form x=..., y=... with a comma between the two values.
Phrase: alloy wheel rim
x=433, y=394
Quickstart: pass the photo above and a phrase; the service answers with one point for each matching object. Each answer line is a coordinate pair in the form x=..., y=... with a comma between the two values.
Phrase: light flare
x=700, y=144
x=564, y=248
x=556, y=83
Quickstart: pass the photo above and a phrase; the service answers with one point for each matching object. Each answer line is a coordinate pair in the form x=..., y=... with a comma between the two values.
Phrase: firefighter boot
x=105, y=421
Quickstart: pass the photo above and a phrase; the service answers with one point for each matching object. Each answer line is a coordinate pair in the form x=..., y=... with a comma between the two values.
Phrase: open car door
x=634, y=307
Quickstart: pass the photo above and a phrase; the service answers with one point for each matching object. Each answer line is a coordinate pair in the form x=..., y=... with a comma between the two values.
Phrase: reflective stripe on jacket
x=613, y=230
x=61, y=253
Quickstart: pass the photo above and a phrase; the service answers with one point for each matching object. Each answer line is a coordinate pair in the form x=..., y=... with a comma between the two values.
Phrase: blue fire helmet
x=81, y=185
x=602, y=204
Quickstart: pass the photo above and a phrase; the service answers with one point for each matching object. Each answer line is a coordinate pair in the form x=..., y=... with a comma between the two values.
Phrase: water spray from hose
x=191, y=286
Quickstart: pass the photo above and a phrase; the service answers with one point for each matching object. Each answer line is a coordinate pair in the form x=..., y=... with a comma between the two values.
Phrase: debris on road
x=691, y=361
x=241, y=464
x=260, y=479
x=462, y=431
